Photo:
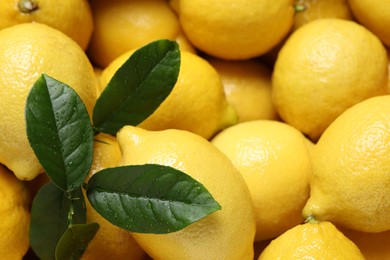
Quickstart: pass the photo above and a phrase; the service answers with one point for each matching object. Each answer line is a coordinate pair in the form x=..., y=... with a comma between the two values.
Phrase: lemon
x=312, y=241
x=351, y=165
x=197, y=102
x=323, y=68
x=373, y=14
x=123, y=25
x=72, y=17
x=274, y=160
x=247, y=86
x=235, y=30
x=110, y=241
x=15, y=216
x=319, y=9
x=374, y=246
x=27, y=50
x=225, y=234
x=184, y=43
x=388, y=82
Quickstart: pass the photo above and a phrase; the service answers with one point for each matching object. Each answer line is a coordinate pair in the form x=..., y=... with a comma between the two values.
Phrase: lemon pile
x=281, y=110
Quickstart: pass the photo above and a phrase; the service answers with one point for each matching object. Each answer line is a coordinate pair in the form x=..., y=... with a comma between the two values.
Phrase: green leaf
x=138, y=87
x=75, y=240
x=50, y=218
x=149, y=198
x=59, y=131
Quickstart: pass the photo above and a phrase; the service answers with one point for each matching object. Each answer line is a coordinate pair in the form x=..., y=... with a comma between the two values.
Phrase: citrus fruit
x=110, y=241
x=374, y=15
x=72, y=17
x=319, y=9
x=15, y=216
x=27, y=50
x=374, y=246
x=388, y=82
x=235, y=30
x=123, y=25
x=323, y=68
x=225, y=234
x=312, y=241
x=183, y=42
x=197, y=102
x=247, y=86
x=351, y=162
x=274, y=160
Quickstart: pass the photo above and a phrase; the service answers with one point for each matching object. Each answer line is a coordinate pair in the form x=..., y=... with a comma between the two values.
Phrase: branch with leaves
x=61, y=134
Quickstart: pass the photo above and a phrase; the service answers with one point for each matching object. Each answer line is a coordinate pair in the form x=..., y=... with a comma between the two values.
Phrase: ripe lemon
x=197, y=102
x=274, y=160
x=312, y=241
x=235, y=30
x=123, y=25
x=375, y=15
x=184, y=43
x=323, y=68
x=388, y=82
x=319, y=9
x=15, y=216
x=26, y=51
x=247, y=86
x=351, y=165
x=374, y=246
x=225, y=234
x=110, y=242
x=72, y=17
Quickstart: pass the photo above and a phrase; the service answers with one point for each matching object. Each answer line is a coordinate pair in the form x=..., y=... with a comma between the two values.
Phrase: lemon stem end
x=311, y=219
x=27, y=6
x=299, y=6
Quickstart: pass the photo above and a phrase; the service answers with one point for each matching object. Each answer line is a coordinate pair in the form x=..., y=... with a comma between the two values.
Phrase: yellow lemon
x=323, y=68
x=319, y=9
x=388, y=82
x=375, y=15
x=274, y=160
x=15, y=216
x=225, y=234
x=235, y=30
x=184, y=43
x=72, y=17
x=312, y=241
x=123, y=25
x=247, y=86
x=197, y=102
x=351, y=165
x=110, y=241
x=374, y=246
x=27, y=50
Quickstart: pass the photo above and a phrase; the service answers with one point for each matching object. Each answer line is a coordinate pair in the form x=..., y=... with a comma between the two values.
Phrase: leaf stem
x=70, y=213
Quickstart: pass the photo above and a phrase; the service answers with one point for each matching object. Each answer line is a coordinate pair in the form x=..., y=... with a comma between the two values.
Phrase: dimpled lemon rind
x=225, y=234
x=27, y=50
x=351, y=165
